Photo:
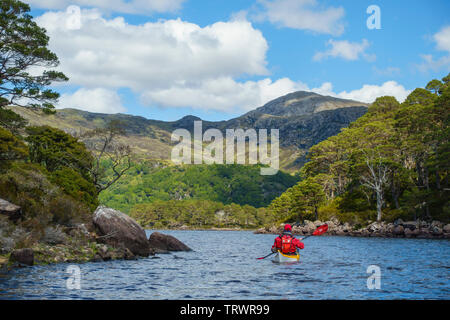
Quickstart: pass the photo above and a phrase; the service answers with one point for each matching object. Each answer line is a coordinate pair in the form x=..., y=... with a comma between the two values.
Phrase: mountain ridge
x=303, y=119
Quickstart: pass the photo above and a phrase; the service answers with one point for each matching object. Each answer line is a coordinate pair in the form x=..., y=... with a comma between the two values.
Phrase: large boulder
x=119, y=230
x=23, y=256
x=163, y=243
x=10, y=210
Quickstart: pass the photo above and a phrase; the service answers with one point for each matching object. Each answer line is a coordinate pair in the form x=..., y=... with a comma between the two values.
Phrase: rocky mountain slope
x=303, y=118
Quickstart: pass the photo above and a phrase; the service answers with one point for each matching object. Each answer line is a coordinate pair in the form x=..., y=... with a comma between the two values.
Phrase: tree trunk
x=394, y=193
x=438, y=180
x=379, y=203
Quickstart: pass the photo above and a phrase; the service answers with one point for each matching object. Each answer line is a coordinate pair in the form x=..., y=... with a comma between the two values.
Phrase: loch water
x=223, y=265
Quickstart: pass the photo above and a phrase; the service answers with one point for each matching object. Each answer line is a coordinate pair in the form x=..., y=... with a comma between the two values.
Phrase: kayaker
x=286, y=242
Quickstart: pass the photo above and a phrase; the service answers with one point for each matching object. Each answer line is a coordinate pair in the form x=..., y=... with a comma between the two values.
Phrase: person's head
x=287, y=228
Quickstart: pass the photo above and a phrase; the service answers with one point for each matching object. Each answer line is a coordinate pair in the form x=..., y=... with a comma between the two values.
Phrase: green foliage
x=393, y=161
x=199, y=214
x=11, y=148
x=55, y=149
x=11, y=120
x=43, y=202
x=23, y=45
x=227, y=184
x=300, y=202
x=55, y=187
x=74, y=185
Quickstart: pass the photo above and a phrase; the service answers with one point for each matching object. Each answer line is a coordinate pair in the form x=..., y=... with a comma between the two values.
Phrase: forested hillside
x=240, y=184
x=391, y=163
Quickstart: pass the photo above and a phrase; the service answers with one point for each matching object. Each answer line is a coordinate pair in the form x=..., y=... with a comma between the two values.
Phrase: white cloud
x=112, y=53
x=303, y=15
x=442, y=40
x=368, y=93
x=143, y=7
x=223, y=94
x=430, y=63
x=160, y=58
x=345, y=50
x=231, y=96
x=93, y=100
x=172, y=63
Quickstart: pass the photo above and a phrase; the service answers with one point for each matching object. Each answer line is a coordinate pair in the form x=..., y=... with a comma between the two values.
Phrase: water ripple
x=329, y=268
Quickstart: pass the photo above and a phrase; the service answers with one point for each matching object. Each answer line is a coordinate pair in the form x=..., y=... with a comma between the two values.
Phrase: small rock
x=23, y=256
x=335, y=221
x=411, y=225
x=408, y=233
x=398, y=230
x=447, y=228
x=435, y=230
x=97, y=258
x=437, y=224
x=317, y=223
x=12, y=211
x=164, y=242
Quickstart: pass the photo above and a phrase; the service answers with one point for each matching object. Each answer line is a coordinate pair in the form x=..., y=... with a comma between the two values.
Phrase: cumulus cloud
x=159, y=60
x=368, y=93
x=345, y=50
x=442, y=41
x=172, y=63
x=226, y=94
x=93, y=100
x=303, y=15
x=142, y=7
x=114, y=53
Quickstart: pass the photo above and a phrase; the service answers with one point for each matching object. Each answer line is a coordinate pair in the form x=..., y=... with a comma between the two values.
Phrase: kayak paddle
x=319, y=231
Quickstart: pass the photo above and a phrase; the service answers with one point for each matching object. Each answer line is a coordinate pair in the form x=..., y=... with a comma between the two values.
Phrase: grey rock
x=398, y=230
x=162, y=243
x=121, y=231
x=23, y=256
x=12, y=211
x=447, y=228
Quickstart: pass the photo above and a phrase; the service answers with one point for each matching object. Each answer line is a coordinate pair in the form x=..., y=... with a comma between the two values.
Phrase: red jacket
x=295, y=243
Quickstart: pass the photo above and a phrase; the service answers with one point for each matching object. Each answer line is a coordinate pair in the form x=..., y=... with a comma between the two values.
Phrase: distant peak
x=190, y=118
x=304, y=102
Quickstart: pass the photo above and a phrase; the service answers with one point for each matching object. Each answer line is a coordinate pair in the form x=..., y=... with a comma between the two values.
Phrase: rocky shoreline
x=111, y=235
x=397, y=229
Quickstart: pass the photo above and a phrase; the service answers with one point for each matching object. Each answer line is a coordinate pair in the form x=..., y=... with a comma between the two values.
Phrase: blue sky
x=220, y=59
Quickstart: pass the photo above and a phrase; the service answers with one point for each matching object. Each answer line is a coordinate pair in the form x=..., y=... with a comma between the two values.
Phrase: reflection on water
x=219, y=268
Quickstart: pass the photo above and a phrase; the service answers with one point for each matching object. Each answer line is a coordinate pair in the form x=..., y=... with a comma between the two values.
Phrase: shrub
x=54, y=235
x=21, y=238
x=66, y=211
x=42, y=201
x=74, y=185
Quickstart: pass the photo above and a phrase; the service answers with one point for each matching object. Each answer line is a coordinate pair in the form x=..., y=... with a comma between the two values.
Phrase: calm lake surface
x=223, y=265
